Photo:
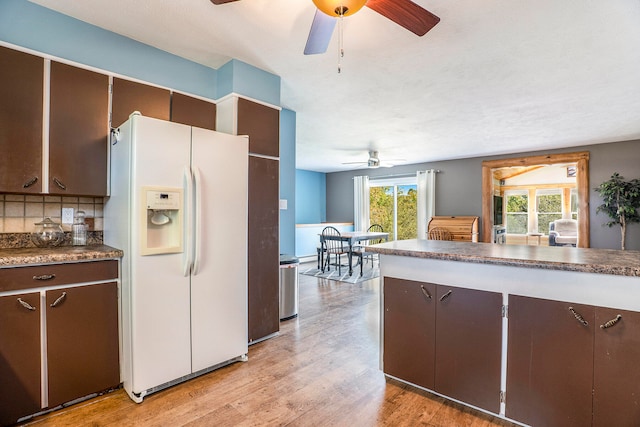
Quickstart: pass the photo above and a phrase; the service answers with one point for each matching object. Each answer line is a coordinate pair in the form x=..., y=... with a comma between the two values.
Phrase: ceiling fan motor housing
x=339, y=7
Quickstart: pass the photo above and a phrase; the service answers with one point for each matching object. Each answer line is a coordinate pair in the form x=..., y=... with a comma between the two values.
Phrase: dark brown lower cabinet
x=469, y=346
x=616, y=382
x=572, y=365
x=549, y=362
x=409, y=331
x=82, y=341
x=19, y=356
x=444, y=338
x=82, y=346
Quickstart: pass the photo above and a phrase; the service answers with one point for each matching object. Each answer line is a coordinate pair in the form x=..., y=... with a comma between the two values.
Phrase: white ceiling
x=493, y=77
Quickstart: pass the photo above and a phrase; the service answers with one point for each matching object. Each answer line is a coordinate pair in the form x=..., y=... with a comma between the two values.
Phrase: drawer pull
x=445, y=296
x=425, y=292
x=26, y=305
x=578, y=317
x=30, y=182
x=59, y=183
x=44, y=277
x=611, y=322
x=59, y=300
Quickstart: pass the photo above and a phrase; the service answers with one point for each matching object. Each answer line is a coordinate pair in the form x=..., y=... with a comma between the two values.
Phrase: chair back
x=332, y=245
x=375, y=228
x=439, y=233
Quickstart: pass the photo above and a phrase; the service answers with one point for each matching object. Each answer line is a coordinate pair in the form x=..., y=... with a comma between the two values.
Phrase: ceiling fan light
x=334, y=7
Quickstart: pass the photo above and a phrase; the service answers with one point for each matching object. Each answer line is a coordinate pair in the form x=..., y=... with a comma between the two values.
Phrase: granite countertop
x=27, y=256
x=600, y=261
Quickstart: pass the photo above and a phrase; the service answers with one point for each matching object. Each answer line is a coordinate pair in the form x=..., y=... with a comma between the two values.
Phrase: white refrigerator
x=178, y=210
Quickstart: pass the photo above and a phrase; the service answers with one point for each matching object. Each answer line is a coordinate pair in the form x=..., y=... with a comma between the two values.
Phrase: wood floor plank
x=322, y=369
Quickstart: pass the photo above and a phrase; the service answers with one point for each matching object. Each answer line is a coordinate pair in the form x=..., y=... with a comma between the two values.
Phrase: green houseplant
x=621, y=201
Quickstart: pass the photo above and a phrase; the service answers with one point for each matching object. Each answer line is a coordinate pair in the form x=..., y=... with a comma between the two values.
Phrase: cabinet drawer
x=57, y=274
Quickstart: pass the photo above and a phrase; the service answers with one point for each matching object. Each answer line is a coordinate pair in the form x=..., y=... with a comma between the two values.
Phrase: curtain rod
x=400, y=175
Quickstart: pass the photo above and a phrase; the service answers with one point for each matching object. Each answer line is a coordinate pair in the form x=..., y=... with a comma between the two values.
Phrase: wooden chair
x=439, y=233
x=333, y=246
x=359, y=251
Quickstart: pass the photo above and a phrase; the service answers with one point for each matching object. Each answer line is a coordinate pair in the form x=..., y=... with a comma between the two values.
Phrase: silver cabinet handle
x=445, y=296
x=578, y=317
x=59, y=300
x=30, y=182
x=425, y=292
x=59, y=183
x=611, y=322
x=44, y=277
x=26, y=305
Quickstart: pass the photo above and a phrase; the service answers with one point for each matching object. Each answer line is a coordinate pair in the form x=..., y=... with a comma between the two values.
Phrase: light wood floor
x=321, y=370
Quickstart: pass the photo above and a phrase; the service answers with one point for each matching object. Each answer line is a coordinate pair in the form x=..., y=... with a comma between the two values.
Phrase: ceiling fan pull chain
x=340, y=45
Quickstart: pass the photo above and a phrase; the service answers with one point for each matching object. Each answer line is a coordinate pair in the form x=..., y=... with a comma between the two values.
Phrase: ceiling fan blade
x=320, y=33
x=406, y=14
x=222, y=1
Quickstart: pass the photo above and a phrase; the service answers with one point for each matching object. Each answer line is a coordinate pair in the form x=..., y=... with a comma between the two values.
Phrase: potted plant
x=621, y=201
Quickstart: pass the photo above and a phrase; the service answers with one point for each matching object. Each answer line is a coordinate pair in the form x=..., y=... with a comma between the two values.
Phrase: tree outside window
x=395, y=208
x=517, y=213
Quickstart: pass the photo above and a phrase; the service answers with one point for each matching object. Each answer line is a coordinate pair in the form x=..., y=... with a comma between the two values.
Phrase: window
x=517, y=212
x=548, y=208
x=395, y=207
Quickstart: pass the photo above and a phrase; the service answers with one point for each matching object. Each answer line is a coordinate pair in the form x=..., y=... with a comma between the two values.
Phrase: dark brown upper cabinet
x=262, y=124
x=193, y=111
x=130, y=96
x=78, y=131
x=21, y=110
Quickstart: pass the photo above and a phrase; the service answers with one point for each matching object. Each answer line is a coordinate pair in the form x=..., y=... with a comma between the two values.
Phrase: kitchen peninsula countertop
x=27, y=256
x=599, y=261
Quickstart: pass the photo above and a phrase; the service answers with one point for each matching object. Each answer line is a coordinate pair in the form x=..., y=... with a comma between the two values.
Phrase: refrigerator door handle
x=198, y=220
x=187, y=259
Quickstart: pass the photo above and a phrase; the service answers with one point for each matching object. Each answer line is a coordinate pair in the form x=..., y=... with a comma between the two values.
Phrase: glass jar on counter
x=79, y=230
x=47, y=234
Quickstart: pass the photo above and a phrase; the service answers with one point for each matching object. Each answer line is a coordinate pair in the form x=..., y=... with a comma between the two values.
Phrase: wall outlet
x=67, y=215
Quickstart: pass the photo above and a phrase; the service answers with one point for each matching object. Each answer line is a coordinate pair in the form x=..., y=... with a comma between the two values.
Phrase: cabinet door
x=21, y=92
x=409, y=331
x=192, y=111
x=19, y=356
x=549, y=362
x=616, y=381
x=469, y=346
x=262, y=124
x=264, y=257
x=130, y=96
x=78, y=131
x=82, y=341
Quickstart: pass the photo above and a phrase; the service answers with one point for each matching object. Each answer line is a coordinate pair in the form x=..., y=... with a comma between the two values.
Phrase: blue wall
x=288, y=181
x=311, y=197
x=239, y=77
x=48, y=32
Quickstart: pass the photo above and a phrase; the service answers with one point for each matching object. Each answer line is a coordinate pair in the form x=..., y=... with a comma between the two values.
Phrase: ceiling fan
x=374, y=161
x=405, y=13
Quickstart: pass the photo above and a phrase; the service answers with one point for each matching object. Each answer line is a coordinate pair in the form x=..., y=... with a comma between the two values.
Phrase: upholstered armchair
x=563, y=232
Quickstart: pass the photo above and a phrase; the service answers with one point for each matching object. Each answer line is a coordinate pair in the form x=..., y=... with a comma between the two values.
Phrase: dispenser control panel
x=166, y=200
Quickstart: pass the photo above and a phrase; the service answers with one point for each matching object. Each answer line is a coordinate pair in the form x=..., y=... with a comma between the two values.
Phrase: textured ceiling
x=492, y=77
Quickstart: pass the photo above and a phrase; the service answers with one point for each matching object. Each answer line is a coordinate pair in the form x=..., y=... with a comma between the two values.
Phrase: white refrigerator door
x=160, y=301
x=219, y=281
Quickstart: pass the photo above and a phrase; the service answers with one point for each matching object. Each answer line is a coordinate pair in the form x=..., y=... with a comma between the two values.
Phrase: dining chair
x=359, y=250
x=333, y=245
x=439, y=233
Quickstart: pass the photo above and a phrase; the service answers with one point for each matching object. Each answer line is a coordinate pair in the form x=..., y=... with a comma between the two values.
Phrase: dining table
x=352, y=238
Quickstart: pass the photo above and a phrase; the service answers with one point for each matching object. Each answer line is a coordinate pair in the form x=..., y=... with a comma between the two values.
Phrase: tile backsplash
x=19, y=213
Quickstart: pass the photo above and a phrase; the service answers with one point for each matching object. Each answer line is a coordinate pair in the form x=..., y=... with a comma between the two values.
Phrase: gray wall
x=459, y=186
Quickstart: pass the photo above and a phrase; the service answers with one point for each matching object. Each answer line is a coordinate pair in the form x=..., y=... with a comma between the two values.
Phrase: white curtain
x=426, y=200
x=360, y=203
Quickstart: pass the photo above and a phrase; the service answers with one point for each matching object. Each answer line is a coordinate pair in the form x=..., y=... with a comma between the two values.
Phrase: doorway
x=580, y=203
